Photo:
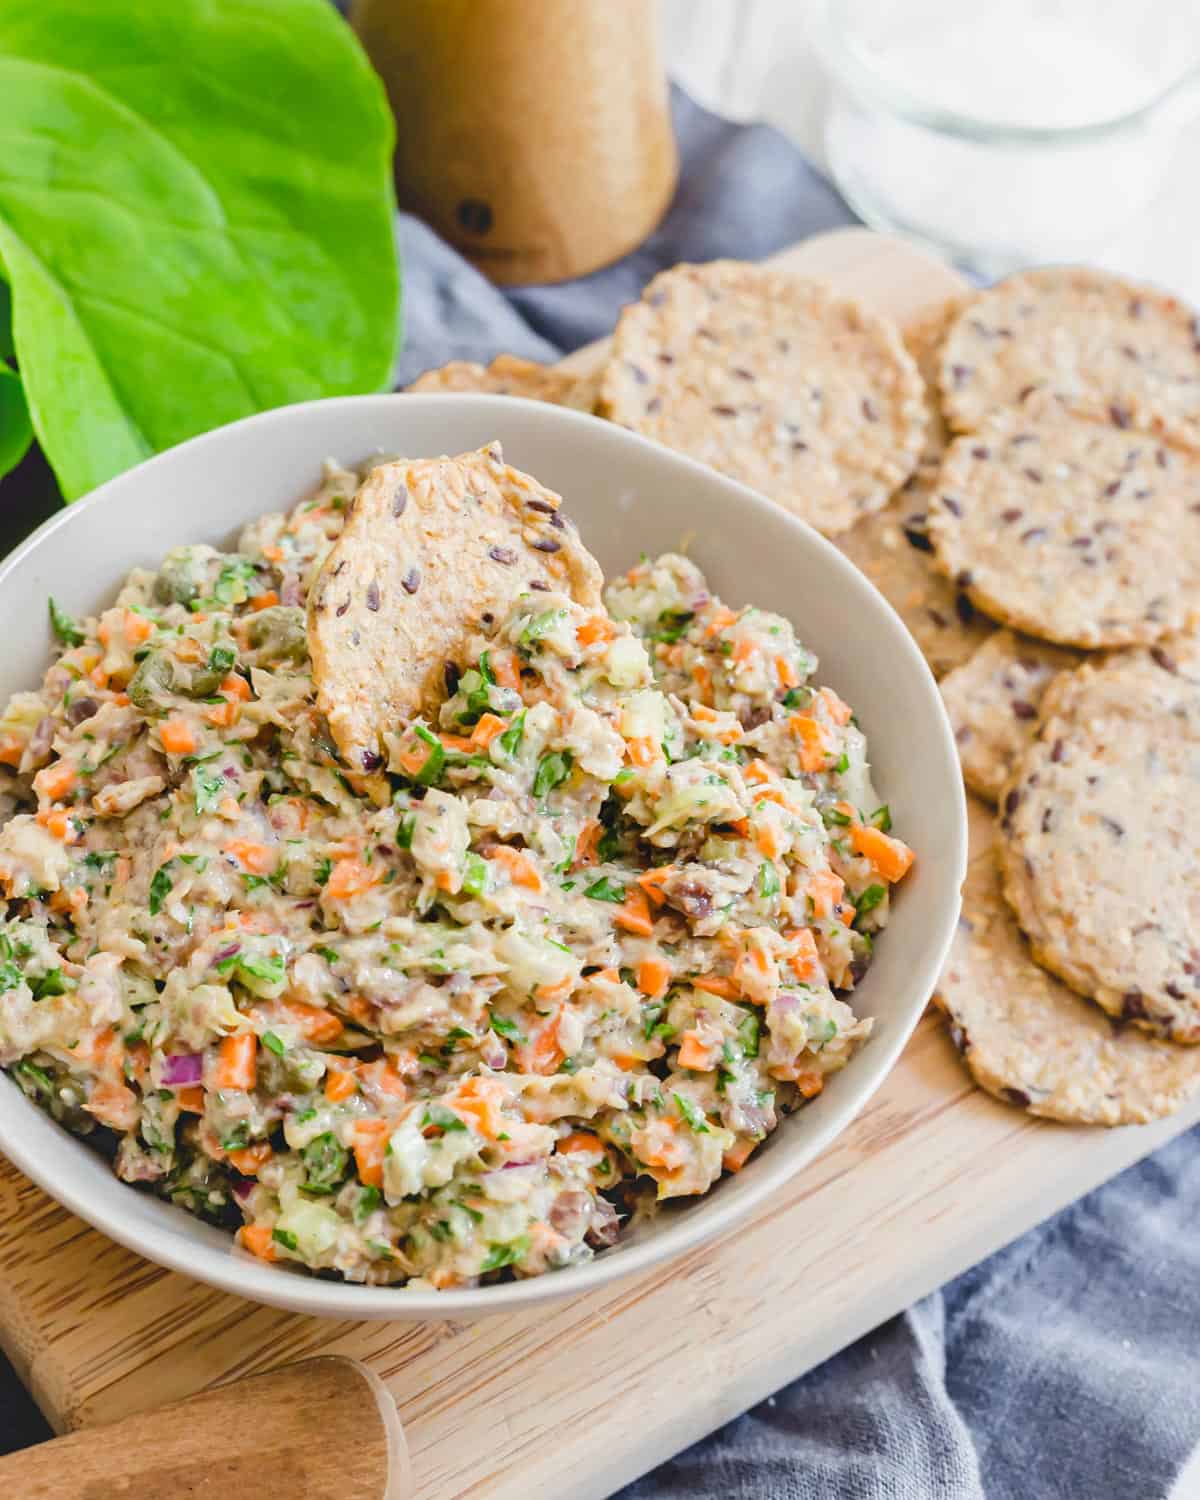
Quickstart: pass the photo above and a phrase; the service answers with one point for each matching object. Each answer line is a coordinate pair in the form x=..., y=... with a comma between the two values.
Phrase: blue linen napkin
x=1067, y=1365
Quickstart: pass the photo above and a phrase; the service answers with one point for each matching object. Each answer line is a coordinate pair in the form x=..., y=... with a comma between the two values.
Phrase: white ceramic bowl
x=628, y=496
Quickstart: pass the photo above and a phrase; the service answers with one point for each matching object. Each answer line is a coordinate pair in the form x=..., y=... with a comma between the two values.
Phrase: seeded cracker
x=1097, y=838
x=892, y=546
x=774, y=381
x=430, y=548
x=1078, y=532
x=1102, y=347
x=993, y=700
x=508, y=375
x=1030, y=1041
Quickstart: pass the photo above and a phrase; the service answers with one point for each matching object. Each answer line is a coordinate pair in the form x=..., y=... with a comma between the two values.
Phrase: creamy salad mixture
x=596, y=940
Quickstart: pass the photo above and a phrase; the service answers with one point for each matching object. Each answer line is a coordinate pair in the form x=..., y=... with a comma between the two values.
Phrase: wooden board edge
x=658, y=1446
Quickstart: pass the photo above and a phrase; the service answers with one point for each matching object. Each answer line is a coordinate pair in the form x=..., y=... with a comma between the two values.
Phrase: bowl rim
x=240, y=1274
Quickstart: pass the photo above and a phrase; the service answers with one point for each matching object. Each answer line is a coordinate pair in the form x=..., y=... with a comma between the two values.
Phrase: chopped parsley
x=65, y=627
x=692, y=1113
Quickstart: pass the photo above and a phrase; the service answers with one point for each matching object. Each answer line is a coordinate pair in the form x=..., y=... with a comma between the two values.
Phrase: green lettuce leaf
x=15, y=432
x=196, y=218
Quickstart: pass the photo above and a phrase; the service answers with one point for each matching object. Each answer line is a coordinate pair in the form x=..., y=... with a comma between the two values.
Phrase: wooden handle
x=325, y=1429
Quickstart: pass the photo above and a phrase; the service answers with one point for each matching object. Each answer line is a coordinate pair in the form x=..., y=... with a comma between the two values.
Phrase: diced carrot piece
x=595, y=629
x=98, y=677
x=273, y=553
x=258, y=1240
x=312, y=1022
x=694, y=1054
x=358, y=1008
x=557, y=991
x=720, y=619
x=489, y=726
x=627, y=1061
x=249, y=1159
x=504, y=669
x=61, y=825
x=643, y=752
x=236, y=686
x=190, y=1100
x=223, y=715
x=716, y=984
x=114, y=1105
x=480, y=1100
x=814, y=746
x=177, y=736
x=662, y=1149
x=585, y=844
x=54, y=782
x=890, y=858
x=121, y=700
x=810, y=1084
x=413, y=758
x=264, y=600
x=634, y=913
x=259, y=859
x=12, y=747
x=545, y=1054
x=825, y=891
x=340, y=1084
x=653, y=976
x=741, y=826
x=738, y=1154
x=459, y=742
x=702, y=677
x=652, y=882
x=744, y=652
x=237, y=1067
x=138, y=629
x=838, y=711
x=767, y=840
x=370, y=1142
x=520, y=868
x=189, y=650
x=384, y=1076
x=581, y=1140
x=786, y=672
x=350, y=877
x=805, y=961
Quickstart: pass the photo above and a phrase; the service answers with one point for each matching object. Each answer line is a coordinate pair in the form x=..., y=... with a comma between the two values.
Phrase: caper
x=278, y=633
x=180, y=577
x=156, y=678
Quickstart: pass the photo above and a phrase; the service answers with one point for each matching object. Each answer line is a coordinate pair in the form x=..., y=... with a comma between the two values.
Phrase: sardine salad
x=598, y=935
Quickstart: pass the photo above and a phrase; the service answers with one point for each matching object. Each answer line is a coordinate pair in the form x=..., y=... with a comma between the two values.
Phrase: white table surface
x=755, y=60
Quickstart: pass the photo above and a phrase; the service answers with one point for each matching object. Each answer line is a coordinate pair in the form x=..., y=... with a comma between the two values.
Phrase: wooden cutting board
x=576, y=1399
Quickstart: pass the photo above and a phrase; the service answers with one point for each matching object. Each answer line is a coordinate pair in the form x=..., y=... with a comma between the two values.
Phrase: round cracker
x=1097, y=836
x=774, y=381
x=1101, y=346
x=892, y=548
x=992, y=702
x=1078, y=532
x=432, y=550
x=509, y=375
x=925, y=339
x=1030, y=1041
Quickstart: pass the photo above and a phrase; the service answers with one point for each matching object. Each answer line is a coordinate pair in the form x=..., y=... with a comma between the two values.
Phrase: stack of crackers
x=1020, y=477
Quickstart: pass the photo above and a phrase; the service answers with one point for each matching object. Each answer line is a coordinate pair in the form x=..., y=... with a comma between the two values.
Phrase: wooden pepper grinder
x=326, y=1429
x=534, y=135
